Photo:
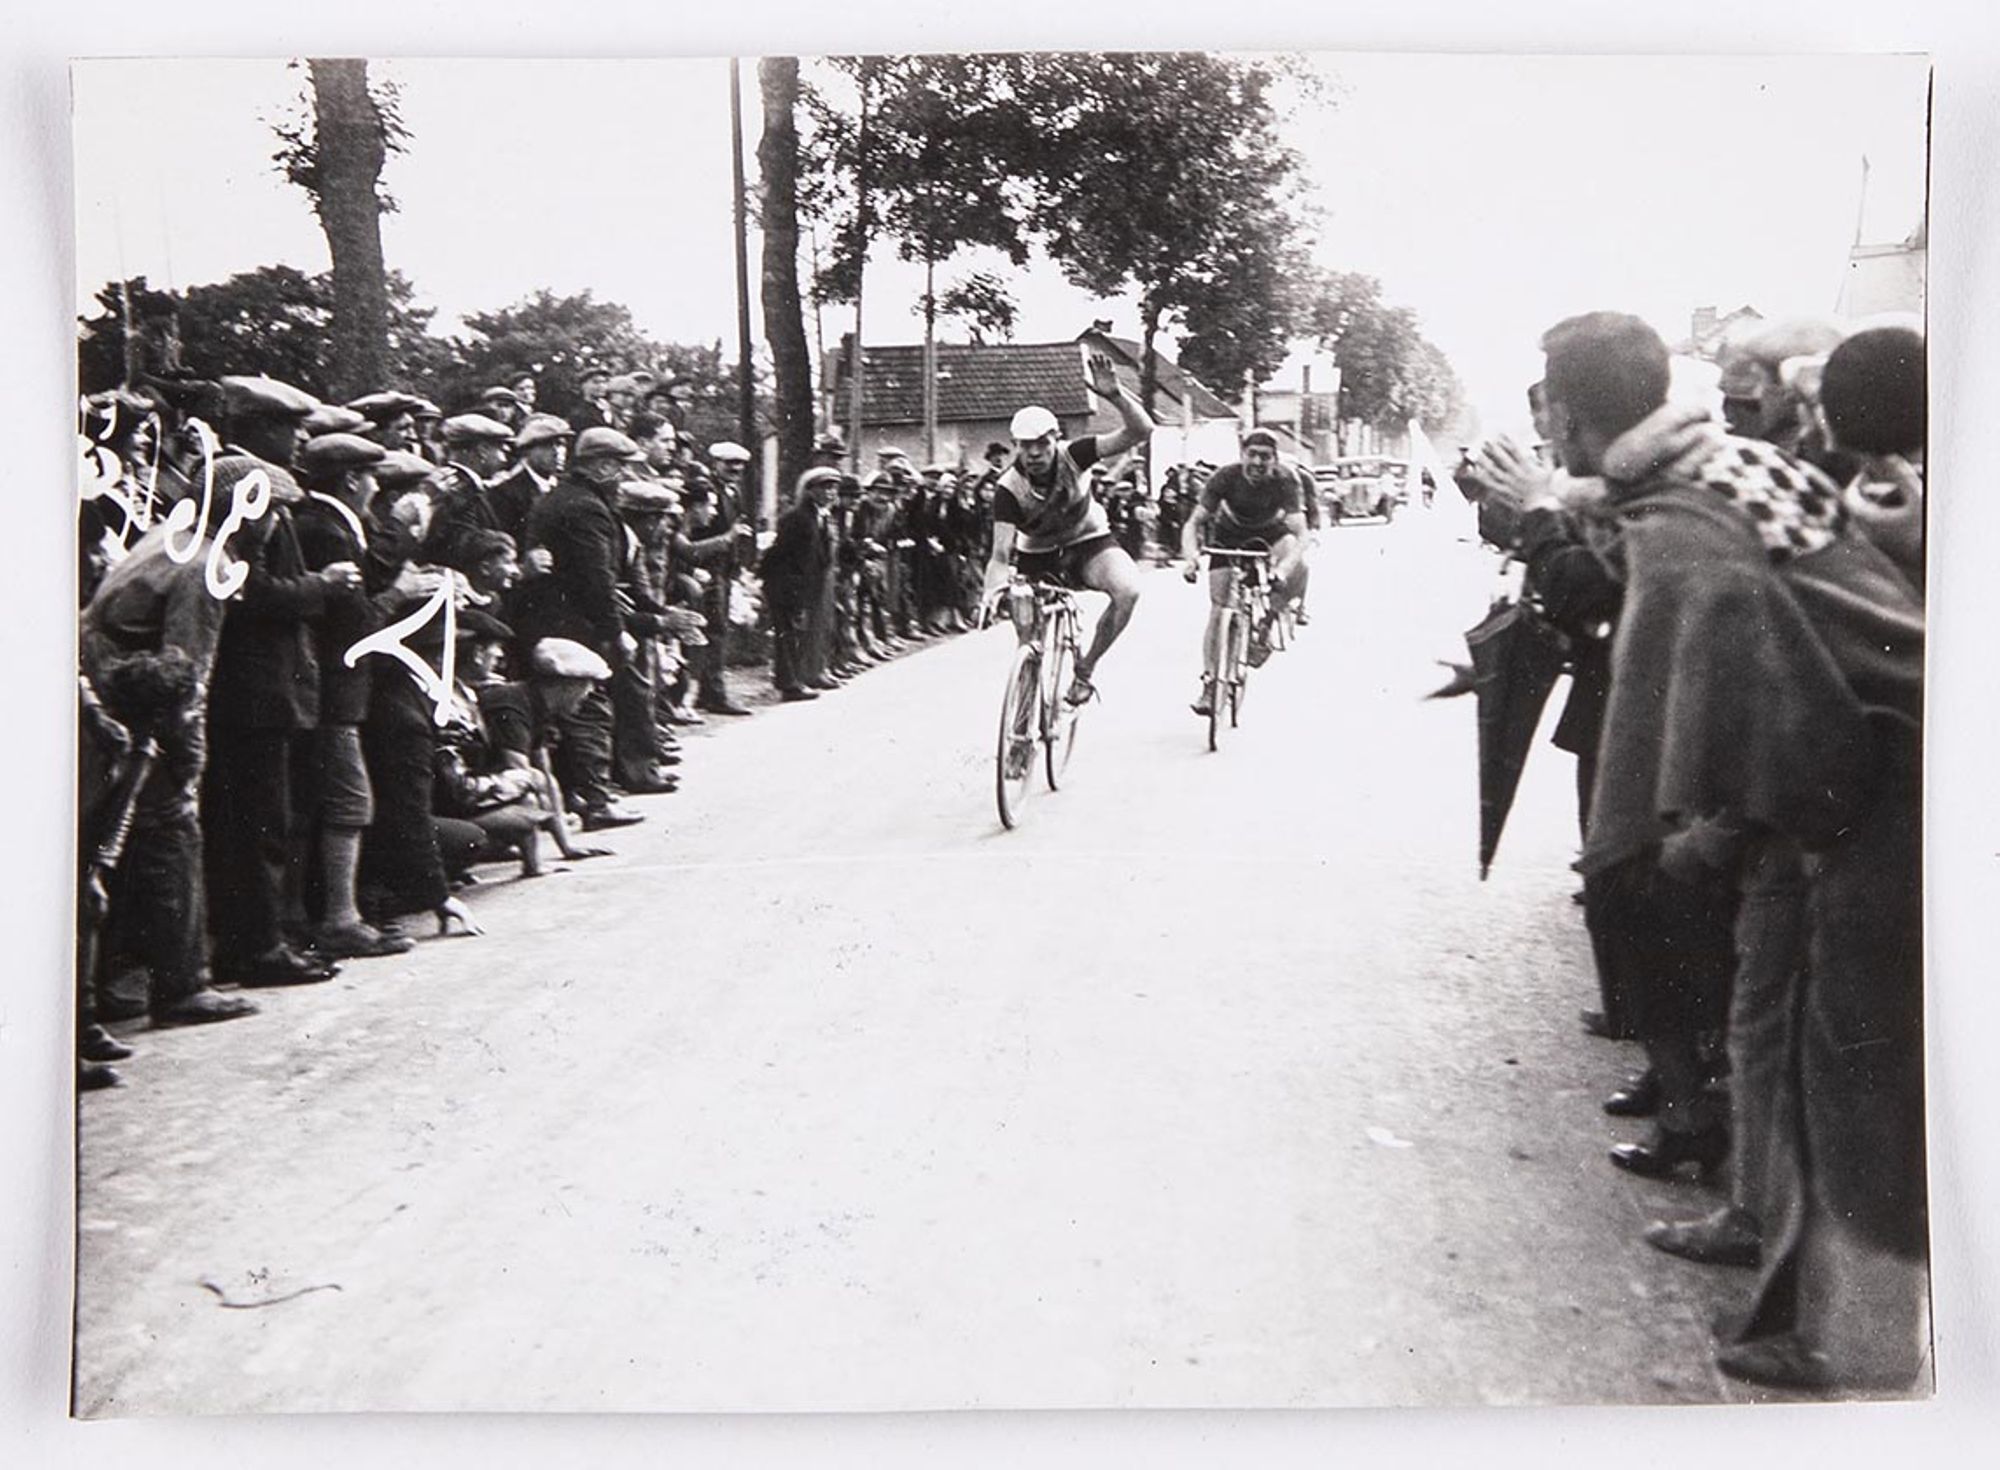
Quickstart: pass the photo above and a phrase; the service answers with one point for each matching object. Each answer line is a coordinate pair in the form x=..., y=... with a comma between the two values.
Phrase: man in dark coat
x=577, y=525
x=265, y=691
x=335, y=802
x=539, y=447
x=726, y=513
x=477, y=446
x=795, y=569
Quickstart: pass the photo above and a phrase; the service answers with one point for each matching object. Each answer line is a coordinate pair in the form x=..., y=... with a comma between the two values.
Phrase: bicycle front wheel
x=1239, y=667
x=1020, y=729
x=1059, y=715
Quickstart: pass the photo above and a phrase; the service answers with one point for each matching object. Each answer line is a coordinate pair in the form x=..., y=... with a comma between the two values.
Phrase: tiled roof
x=974, y=383
x=984, y=383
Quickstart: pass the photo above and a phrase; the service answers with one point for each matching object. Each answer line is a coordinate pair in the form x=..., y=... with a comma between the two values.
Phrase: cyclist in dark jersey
x=1257, y=502
x=1047, y=523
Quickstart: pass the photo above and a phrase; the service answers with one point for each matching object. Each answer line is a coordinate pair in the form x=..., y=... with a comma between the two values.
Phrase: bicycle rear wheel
x=1059, y=715
x=1020, y=728
x=1218, y=691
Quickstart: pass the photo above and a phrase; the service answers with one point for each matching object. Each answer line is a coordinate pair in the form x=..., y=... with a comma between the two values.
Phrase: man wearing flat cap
x=392, y=418
x=539, y=446
x=336, y=802
x=266, y=690
x=477, y=445
x=501, y=404
x=577, y=525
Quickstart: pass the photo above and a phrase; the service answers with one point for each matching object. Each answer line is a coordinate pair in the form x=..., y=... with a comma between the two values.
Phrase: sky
x=1491, y=195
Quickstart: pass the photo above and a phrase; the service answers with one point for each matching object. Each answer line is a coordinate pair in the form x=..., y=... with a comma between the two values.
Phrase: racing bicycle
x=1034, y=712
x=1247, y=619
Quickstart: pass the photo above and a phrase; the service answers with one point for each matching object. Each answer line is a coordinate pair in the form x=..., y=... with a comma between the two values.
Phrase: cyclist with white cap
x=1047, y=523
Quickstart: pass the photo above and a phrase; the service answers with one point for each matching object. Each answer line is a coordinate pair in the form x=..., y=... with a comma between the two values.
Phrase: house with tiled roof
x=980, y=386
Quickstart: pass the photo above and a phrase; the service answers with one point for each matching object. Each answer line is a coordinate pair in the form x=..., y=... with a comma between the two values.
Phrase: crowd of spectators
x=335, y=658
x=1740, y=586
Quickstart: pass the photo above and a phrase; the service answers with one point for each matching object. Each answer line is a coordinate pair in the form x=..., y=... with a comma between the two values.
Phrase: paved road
x=1223, y=1081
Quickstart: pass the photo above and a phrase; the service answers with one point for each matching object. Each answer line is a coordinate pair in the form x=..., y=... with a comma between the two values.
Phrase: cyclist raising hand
x=1043, y=508
x=1257, y=500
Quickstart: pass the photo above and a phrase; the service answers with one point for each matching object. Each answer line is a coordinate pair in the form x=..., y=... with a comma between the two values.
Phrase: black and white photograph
x=1147, y=728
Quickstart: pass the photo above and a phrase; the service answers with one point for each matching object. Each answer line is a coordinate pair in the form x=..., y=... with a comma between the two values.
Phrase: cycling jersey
x=1059, y=516
x=1243, y=506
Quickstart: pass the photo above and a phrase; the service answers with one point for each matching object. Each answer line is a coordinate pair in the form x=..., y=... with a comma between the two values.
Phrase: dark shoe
x=95, y=1044
x=1638, y=1098
x=1776, y=1362
x=797, y=696
x=825, y=686
x=680, y=714
x=201, y=1008
x=1204, y=704
x=359, y=942
x=1299, y=617
x=1659, y=1156
x=1595, y=1024
x=1729, y=1237
x=598, y=818
x=95, y=1077
x=284, y=966
x=722, y=707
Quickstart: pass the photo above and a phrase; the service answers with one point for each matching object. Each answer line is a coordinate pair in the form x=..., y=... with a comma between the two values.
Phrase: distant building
x=981, y=386
x=1709, y=329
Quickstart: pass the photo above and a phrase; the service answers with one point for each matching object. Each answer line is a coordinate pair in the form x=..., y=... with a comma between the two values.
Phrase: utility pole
x=855, y=368
x=746, y=388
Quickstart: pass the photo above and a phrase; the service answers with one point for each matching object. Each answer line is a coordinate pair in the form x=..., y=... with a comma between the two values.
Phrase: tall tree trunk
x=857, y=368
x=746, y=384
x=351, y=149
x=1148, y=378
x=784, y=319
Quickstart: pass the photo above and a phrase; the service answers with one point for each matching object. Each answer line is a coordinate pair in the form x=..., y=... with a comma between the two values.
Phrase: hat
x=423, y=408
x=501, y=393
x=937, y=469
x=1034, y=422
x=265, y=398
x=541, y=428
x=830, y=444
x=335, y=452
x=564, y=658
x=602, y=443
x=889, y=452
x=331, y=418
x=381, y=407
x=647, y=497
x=400, y=467
x=623, y=383
x=475, y=428
x=728, y=453
x=475, y=626
x=819, y=474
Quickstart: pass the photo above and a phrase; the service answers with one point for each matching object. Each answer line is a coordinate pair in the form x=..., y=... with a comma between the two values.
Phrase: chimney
x=1704, y=323
x=1102, y=326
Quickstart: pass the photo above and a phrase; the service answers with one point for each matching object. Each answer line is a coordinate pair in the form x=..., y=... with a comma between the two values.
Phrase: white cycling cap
x=1033, y=422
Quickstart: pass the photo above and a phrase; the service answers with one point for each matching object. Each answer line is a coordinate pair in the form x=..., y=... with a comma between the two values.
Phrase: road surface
x=1222, y=1081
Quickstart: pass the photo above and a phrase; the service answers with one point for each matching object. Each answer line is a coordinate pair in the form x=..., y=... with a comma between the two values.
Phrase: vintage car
x=1361, y=488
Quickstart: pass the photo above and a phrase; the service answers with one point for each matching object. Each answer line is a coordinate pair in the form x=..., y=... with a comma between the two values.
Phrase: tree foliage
x=1390, y=372
x=274, y=320
x=1163, y=174
x=982, y=302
